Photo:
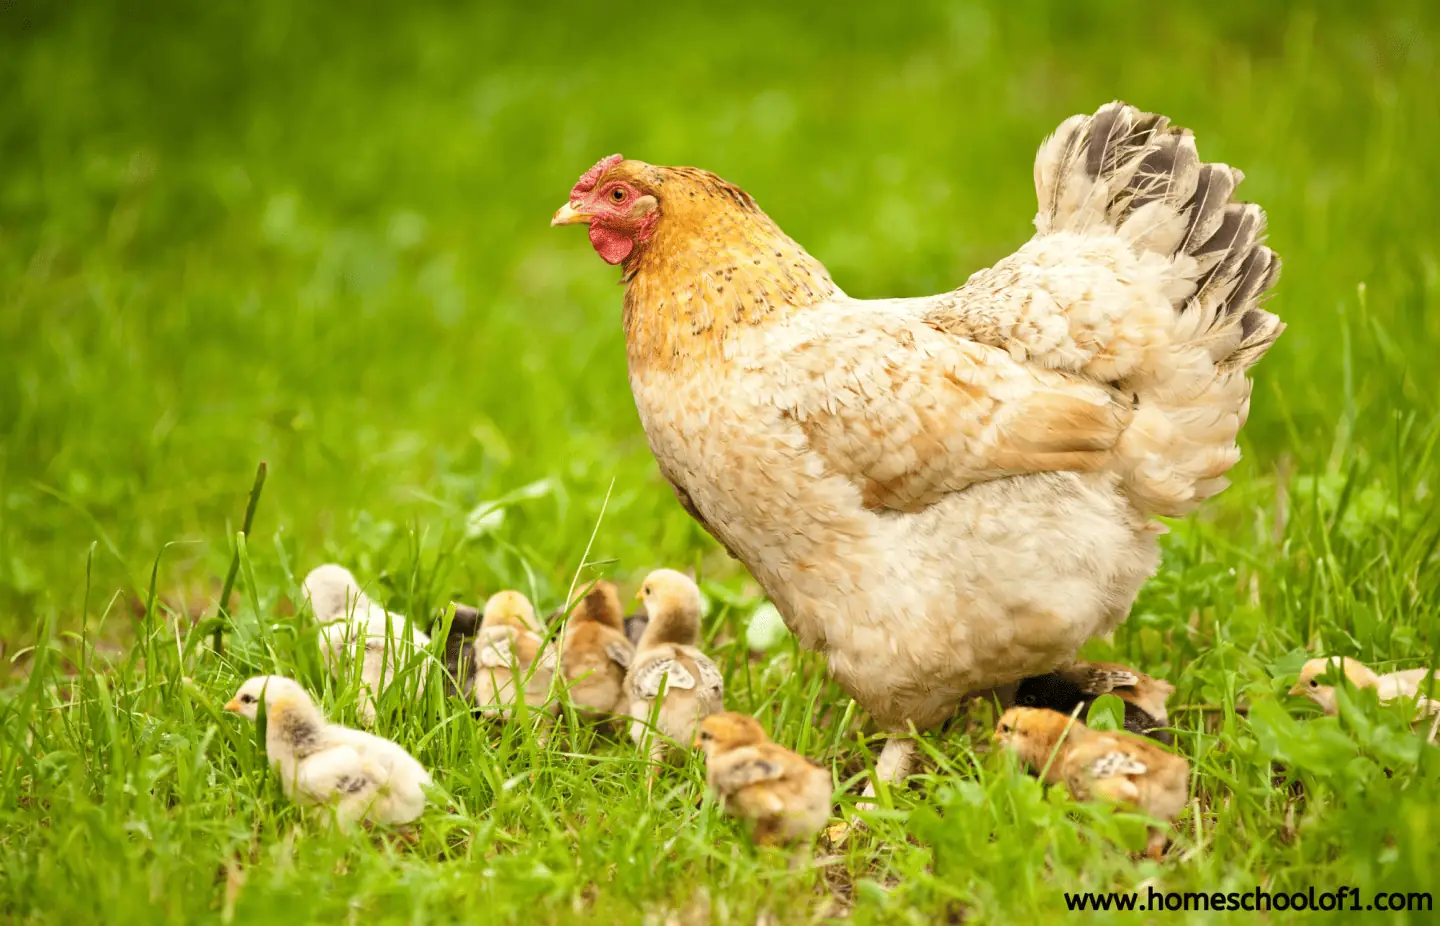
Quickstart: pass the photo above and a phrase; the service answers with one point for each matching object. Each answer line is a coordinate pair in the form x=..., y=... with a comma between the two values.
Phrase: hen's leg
x=894, y=766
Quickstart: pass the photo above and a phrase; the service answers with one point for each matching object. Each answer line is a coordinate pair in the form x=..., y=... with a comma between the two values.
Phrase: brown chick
x=1114, y=766
x=787, y=795
x=509, y=645
x=1082, y=682
x=1038, y=737
x=596, y=653
x=668, y=658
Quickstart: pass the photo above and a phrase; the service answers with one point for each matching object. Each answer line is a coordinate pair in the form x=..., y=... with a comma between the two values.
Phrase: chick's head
x=672, y=600
x=510, y=609
x=729, y=730
x=273, y=688
x=1033, y=733
x=601, y=605
x=1309, y=683
x=332, y=591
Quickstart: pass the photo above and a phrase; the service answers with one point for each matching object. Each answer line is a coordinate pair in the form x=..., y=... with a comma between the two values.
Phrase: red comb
x=587, y=180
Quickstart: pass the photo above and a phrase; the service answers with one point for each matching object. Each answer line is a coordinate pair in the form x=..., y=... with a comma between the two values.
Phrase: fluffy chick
x=596, y=653
x=667, y=657
x=351, y=622
x=1409, y=683
x=786, y=794
x=355, y=774
x=508, y=645
x=1039, y=737
x=1113, y=766
x=1082, y=682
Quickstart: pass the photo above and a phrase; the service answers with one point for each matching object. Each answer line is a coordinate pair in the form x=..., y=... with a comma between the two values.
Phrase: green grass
x=318, y=236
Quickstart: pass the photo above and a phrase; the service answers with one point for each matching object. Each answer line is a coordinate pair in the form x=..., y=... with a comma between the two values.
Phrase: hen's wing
x=911, y=412
x=1118, y=337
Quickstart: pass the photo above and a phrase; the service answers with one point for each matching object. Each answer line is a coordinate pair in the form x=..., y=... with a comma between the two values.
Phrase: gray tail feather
x=1142, y=177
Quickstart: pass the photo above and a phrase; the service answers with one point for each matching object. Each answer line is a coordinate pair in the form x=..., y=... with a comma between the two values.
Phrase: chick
x=1082, y=682
x=1039, y=737
x=460, y=650
x=786, y=794
x=1118, y=767
x=596, y=652
x=350, y=621
x=1409, y=683
x=667, y=657
x=509, y=644
x=355, y=775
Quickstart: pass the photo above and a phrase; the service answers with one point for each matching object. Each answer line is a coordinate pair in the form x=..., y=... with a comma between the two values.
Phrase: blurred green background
x=316, y=234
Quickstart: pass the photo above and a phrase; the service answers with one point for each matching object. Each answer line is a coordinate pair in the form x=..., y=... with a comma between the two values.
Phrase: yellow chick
x=509, y=644
x=1113, y=766
x=1039, y=737
x=354, y=626
x=1410, y=683
x=787, y=795
x=596, y=653
x=1082, y=682
x=354, y=774
x=667, y=657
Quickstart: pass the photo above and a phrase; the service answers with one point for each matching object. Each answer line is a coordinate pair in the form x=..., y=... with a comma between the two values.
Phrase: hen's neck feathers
x=716, y=263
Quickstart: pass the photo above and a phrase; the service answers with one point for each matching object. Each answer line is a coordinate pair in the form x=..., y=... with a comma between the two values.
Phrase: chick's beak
x=569, y=215
x=233, y=705
x=1297, y=689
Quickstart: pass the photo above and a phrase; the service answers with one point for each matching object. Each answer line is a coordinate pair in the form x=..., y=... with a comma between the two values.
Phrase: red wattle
x=612, y=246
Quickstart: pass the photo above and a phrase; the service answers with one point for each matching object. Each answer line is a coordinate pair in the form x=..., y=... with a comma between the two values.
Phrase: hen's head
x=620, y=201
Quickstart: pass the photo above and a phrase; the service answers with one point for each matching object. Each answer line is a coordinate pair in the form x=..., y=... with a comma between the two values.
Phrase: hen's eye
x=618, y=194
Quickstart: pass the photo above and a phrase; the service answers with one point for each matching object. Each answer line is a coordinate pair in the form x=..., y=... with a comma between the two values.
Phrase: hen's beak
x=569, y=215
x=233, y=705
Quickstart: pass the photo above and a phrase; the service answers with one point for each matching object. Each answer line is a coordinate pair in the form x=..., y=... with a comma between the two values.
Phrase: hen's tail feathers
x=1142, y=177
x=1135, y=175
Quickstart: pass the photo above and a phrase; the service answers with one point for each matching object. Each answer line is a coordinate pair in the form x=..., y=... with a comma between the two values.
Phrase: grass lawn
x=317, y=235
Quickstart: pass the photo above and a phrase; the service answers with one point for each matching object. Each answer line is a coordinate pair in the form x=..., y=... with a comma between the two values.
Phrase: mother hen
x=949, y=493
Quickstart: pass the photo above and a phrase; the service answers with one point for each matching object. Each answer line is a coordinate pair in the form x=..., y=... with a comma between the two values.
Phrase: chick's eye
x=247, y=698
x=706, y=736
x=1314, y=683
x=618, y=194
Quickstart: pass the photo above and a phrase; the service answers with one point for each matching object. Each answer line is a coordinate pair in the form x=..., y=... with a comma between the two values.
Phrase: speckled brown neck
x=715, y=263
